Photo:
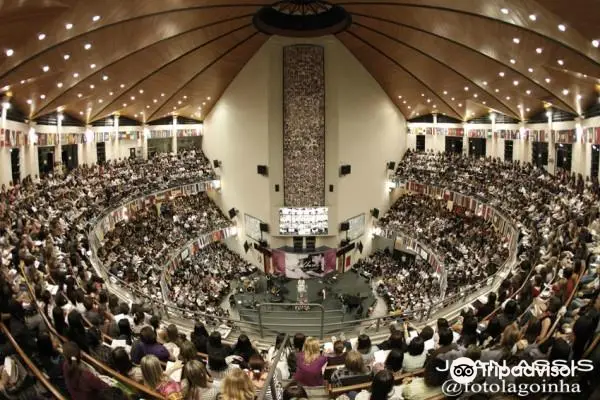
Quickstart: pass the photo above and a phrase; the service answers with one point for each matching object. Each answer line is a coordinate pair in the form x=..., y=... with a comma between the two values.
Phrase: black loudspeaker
x=246, y=246
x=277, y=188
x=232, y=213
x=391, y=165
x=345, y=170
x=359, y=246
x=311, y=242
x=263, y=244
x=344, y=226
x=331, y=188
x=375, y=213
x=264, y=227
x=298, y=243
x=216, y=163
x=262, y=170
x=344, y=243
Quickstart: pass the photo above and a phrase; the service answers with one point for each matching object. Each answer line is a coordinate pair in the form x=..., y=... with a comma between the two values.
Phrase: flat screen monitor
x=303, y=221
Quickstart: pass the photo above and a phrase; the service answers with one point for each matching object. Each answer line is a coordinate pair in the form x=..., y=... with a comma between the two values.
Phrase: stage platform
x=289, y=318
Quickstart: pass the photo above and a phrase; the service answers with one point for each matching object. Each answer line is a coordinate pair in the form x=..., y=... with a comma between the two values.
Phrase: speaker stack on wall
x=345, y=170
x=262, y=170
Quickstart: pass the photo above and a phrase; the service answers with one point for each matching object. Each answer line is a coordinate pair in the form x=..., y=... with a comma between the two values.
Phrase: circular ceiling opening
x=302, y=18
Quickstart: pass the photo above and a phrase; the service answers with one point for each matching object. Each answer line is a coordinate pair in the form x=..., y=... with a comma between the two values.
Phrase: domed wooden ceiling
x=149, y=58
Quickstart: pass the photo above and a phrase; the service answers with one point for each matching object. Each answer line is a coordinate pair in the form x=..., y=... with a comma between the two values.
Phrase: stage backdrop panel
x=304, y=265
x=304, y=126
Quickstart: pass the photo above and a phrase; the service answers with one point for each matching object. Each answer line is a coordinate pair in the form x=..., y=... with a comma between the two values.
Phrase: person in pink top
x=310, y=363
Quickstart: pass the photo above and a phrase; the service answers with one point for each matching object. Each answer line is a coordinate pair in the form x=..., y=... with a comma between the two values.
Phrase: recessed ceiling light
x=135, y=115
x=562, y=27
x=203, y=103
x=179, y=102
x=483, y=102
x=92, y=86
x=422, y=94
x=501, y=73
x=399, y=97
x=547, y=80
x=155, y=101
x=579, y=97
x=96, y=18
x=453, y=99
x=174, y=108
x=539, y=50
x=29, y=101
x=75, y=75
x=122, y=86
x=528, y=91
x=475, y=95
x=124, y=104
x=132, y=98
x=565, y=92
x=403, y=102
x=141, y=91
x=460, y=104
x=42, y=96
x=530, y=69
x=22, y=81
x=66, y=57
x=92, y=66
x=484, y=83
x=147, y=106
x=512, y=61
x=100, y=101
x=87, y=46
x=560, y=62
x=9, y=52
x=507, y=97
x=162, y=95
x=68, y=26
x=504, y=11
x=45, y=68
x=185, y=97
x=496, y=90
x=516, y=83
x=434, y=106
x=596, y=43
x=41, y=36
x=104, y=77
x=516, y=40
x=110, y=93
x=208, y=98
x=445, y=92
x=79, y=95
x=466, y=88
x=532, y=17
x=59, y=84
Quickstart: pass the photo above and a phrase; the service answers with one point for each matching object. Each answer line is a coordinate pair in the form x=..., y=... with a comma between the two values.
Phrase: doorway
x=45, y=160
x=69, y=156
x=454, y=145
x=540, y=154
x=477, y=147
x=564, y=152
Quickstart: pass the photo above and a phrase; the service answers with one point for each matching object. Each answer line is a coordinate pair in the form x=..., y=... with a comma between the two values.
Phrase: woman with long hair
x=195, y=383
x=81, y=383
x=76, y=331
x=310, y=363
x=282, y=364
x=199, y=337
x=244, y=348
x=354, y=366
x=155, y=378
x=237, y=386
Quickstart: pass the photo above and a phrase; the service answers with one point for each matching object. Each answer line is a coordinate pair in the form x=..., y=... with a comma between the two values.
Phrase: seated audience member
x=491, y=334
x=310, y=363
x=396, y=338
x=282, y=365
x=394, y=360
x=148, y=345
x=298, y=344
x=294, y=390
x=510, y=337
x=76, y=331
x=243, y=348
x=354, y=367
x=125, y=332
x=199, y=337
x=468, y=334
x=50, y=361
x=173, y=341
x=445, y=345
x=430, y=385
x=139, y=321
x=195, y=384
x=90, y=312
x=415, y=356
x=237, y=386
x=549, y=317
x=215, y=347
x=218, y=368
x=123, y=365
x=156, y=379
x=382, y=388
x=427, y=335
x=338, y=356
x=508, y=315
x=97, y=348
x=258, y=372
x=366, y=349
x=81, y=383
x=487, y=308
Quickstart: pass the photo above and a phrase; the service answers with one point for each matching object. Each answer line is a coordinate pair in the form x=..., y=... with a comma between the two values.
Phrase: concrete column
x=145, y=134
x=174, y=138
x=58, y=146
x=465, y=139
x=5, y=164
x=493, y=142
x=116, y=144
x=551, y=146
x=32, y=164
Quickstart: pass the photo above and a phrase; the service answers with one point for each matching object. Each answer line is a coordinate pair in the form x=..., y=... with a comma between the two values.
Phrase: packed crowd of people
x=203, y=280
x=137, y=250
x=467, y=245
